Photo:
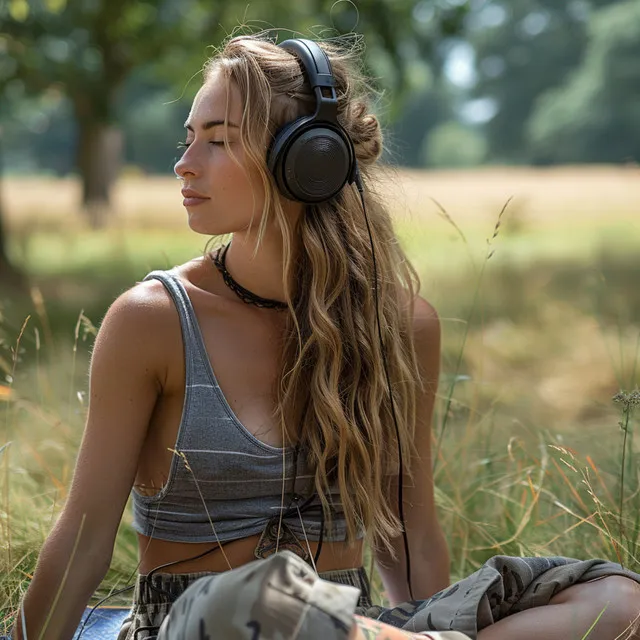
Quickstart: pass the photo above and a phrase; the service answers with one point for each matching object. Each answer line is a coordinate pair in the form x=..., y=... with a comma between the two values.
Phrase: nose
x=186, y=166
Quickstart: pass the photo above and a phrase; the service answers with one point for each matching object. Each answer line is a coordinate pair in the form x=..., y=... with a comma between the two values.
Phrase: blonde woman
x=242, y=398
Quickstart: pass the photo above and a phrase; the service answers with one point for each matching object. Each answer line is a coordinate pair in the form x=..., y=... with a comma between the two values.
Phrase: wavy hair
x=332, y=396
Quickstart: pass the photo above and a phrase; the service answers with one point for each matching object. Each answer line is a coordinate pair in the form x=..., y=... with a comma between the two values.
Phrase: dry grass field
x=537, y=339
x=556, y=196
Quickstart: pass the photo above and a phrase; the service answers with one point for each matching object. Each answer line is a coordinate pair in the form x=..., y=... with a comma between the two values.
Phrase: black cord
x=157, y=589
x=111, y=595
x=358, y=181
x=172, y=597
x=319, y=549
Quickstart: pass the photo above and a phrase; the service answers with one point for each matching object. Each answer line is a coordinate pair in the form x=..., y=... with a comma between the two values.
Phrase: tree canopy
x=87, y=51
x=595, y=115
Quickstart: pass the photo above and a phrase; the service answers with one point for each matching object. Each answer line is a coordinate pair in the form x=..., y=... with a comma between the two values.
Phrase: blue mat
x=103, y=624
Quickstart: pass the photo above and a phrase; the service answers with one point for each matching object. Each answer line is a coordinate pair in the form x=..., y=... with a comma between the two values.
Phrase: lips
x=193, y=198
x=192, y=193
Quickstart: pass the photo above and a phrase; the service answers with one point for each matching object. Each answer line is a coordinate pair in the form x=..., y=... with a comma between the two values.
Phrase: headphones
x=312, y=157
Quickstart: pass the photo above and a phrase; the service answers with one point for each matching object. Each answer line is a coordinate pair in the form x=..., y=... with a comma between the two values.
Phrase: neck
x=263, y=274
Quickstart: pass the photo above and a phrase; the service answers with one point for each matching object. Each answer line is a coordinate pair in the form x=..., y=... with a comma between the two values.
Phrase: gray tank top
x=221, y=476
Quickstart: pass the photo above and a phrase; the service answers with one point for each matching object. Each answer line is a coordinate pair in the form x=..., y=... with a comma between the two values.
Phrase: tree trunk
x=98, y=161
x=10, y=277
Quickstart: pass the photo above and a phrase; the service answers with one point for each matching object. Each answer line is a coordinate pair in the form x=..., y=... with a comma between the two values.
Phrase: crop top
x=222, y=476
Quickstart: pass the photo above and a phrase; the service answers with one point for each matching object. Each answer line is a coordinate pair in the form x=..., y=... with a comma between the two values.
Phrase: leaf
x=19, y=10
x=4, y=446
x=56, y=6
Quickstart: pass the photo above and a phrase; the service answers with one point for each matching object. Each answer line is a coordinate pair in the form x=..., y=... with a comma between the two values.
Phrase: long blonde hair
x=333, y=397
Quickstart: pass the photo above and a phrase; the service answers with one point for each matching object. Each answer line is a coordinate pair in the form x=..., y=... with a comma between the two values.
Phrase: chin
x=204, y=226
x=201, y=224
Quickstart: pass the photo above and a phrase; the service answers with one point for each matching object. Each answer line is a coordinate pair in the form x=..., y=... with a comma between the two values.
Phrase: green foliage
x=563, y=76
x=523, y=48
x=594, y=117
x=452, y=145
x=87, y=49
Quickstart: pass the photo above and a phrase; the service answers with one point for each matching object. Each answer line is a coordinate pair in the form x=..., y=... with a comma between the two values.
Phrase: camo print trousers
x=153, y=597
x=264, y=597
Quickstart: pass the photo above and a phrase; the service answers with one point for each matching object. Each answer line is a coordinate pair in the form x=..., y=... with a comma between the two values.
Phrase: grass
x=535, y=457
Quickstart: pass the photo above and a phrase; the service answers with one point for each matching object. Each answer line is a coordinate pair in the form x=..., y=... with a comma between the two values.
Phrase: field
x=540, y=309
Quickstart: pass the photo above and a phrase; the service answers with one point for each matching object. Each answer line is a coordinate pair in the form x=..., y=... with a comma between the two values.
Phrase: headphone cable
x=359, y=185
x=158, y=589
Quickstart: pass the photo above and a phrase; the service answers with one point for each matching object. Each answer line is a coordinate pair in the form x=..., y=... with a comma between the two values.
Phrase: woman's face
x=217, y=192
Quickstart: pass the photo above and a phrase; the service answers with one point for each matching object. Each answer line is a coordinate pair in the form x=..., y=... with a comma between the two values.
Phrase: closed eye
x=185, y=145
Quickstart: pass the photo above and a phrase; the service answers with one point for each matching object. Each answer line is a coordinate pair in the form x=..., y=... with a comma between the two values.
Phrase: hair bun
x=366, y=133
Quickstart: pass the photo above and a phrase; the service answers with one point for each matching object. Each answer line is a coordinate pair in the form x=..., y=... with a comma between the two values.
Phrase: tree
x=524, y=48
x=594, y=117
x=87, y=49
x=10, y=277
x=453, y=145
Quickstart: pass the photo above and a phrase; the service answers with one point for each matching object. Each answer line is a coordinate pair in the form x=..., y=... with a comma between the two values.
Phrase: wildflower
x=628, y=400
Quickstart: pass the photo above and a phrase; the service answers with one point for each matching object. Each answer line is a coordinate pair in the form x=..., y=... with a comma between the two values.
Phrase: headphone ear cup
x=311, y=161
x=280, y=141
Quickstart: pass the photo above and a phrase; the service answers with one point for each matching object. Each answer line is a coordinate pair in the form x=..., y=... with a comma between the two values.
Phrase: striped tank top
x=224, y=483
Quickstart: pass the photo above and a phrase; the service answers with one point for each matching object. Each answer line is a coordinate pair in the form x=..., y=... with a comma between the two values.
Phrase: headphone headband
x=319, y=74
x=314, y=59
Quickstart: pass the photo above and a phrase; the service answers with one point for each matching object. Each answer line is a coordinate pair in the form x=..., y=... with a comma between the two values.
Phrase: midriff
x=155, y=552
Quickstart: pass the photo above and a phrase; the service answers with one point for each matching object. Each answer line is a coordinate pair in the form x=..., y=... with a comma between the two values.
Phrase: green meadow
x=534, y=428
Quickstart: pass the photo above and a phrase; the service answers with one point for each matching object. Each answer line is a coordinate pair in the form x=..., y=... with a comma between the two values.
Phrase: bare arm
x=124, y=385
x=428, y=551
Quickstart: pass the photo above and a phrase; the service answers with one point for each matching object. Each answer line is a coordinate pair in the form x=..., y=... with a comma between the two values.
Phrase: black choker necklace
x=244, y=294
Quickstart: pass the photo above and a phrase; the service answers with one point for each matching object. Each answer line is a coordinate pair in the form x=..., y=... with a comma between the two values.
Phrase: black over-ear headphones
x=312, y=157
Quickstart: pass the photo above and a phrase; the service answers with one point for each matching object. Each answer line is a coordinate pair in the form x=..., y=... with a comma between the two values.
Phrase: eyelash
x=186, y=145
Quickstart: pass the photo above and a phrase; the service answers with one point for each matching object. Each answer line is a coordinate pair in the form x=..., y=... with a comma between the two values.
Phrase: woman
x=291, y=444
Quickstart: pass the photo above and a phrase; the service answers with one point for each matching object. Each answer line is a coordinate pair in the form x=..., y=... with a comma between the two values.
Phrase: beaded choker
x=244, y=294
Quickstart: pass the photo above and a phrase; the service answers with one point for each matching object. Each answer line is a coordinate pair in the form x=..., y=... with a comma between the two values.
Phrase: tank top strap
x=195, y=353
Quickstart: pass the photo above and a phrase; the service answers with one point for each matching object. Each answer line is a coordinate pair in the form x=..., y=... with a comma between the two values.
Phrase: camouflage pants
x=282, y=597
x=237, y=592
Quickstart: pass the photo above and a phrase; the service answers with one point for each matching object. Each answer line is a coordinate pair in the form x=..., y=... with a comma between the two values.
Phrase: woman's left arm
x=428, y=550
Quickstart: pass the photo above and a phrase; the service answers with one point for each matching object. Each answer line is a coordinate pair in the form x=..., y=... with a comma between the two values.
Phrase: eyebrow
x=211, y=124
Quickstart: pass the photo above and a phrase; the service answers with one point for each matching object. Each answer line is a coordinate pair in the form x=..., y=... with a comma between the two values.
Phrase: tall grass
x=532, y=454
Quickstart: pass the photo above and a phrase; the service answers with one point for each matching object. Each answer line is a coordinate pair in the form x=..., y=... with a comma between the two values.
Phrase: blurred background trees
x=95, y=87
x=92, y=83
x=561, y=79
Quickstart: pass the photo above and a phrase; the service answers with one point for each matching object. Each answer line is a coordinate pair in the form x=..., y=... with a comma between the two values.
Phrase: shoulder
x=139, y=336
x=146, y=306
x=426, y=339
x=138, y=321
x=426, y=322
